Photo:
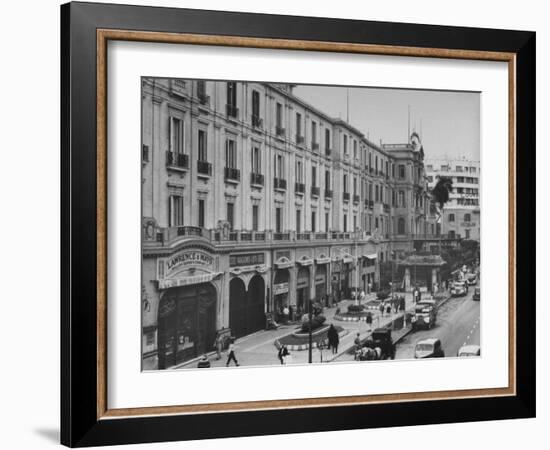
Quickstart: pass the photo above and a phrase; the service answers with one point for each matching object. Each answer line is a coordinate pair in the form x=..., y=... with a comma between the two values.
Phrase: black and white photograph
x=289, y=224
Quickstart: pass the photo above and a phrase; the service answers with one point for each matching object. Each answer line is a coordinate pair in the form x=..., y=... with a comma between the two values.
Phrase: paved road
x=458, y=324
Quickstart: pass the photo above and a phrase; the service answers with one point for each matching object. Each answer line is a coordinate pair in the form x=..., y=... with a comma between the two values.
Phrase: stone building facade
x=253, y=201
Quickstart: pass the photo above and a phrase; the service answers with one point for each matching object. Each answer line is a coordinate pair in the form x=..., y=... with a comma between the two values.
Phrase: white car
x=469, y=350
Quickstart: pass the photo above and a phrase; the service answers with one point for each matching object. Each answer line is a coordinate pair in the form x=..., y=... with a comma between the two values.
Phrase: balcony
x=328, y=151
x=315, y=191
x=204, y=168
x=257, y=122
x=178, y=160
x=299, y=188
x=279, y=183
x=257, y=179
x=231, y=110
x=328, y=193
x=280, y=131
x=232, y=174
x=315, y=146
x=167, y=236
x=356, y=198
x=204, y=99
x=346, y=196
x=300, y=139
x=178, y=88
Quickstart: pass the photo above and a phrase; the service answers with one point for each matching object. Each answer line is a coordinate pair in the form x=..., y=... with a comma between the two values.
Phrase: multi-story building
x=254, y=200
x=461, y=214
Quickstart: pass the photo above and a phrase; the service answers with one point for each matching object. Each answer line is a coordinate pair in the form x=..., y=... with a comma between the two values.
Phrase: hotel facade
x=253, y=201
x=461, y=215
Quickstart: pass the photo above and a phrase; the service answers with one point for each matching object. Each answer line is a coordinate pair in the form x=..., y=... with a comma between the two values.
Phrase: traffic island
x=299, y=340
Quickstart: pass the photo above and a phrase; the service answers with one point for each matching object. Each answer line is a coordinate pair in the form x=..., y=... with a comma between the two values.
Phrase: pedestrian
x=369, y=320
x=357, y=343
x=333, y=339
x=370, y=287
x=388, y=308
x=283, y=353
x=218, y=345
x=362, y=296
x=381, y=308
x=231, y=355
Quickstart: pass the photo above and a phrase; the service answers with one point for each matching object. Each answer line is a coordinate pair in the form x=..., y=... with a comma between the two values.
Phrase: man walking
x=231, y=355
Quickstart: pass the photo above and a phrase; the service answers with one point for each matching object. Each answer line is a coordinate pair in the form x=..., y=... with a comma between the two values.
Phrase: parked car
x=469, y=350
x=429, y=348
x=477, y=294
x=459, y=289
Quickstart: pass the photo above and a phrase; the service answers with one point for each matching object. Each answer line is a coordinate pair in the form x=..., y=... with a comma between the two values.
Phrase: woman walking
x=333, y=339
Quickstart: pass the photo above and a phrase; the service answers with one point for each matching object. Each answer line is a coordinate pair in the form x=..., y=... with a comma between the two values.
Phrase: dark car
x=381, y=338
x=429, y=348
x=477, y=294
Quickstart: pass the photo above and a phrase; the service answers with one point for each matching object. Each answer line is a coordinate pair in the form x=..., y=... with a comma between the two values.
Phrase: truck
x=425, y=314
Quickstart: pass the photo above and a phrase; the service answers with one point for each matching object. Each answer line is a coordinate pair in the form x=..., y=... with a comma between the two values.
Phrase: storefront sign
x=320, y=279
x=281, y=288
x=302, y=283
x=190, y=258
x=249, y=259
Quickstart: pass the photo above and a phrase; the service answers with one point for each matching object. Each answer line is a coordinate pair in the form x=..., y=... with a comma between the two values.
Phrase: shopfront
x=302, y=290
x=281, y=290
x=186, y=323
x=335, y=280
x=321, y=284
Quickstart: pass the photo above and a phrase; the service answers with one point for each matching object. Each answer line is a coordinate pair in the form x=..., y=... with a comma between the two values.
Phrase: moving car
x=469, y=350
x=477, y=294
x=429, y=348
x=424, y=316
x=459, y=289
x=471, y=279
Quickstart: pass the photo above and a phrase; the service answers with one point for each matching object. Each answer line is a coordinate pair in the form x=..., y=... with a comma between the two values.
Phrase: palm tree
x=441, y=195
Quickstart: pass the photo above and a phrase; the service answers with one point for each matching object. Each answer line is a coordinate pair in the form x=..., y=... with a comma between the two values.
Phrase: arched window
x=401, y=226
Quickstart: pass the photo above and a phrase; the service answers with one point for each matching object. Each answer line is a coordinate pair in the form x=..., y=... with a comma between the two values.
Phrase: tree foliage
x=441, y=191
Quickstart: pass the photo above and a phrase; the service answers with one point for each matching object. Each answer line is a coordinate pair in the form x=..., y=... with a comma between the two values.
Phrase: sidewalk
x=258, y=349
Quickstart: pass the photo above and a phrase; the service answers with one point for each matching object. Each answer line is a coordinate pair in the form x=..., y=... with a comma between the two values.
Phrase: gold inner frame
x=103, y=36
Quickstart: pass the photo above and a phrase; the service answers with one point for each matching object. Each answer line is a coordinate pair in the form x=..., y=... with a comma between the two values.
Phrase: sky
x=449, y=122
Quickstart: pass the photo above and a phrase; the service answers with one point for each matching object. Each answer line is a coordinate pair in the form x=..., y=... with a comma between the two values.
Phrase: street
x=457, y=325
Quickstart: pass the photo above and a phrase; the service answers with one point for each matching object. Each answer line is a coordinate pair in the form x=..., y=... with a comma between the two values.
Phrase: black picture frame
x=80, y=425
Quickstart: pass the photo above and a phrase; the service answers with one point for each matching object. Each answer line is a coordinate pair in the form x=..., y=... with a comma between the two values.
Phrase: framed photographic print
x=264, y=231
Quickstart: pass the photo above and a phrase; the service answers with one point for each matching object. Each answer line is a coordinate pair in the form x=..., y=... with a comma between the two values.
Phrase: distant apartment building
x=461, y=214
x=253, y=201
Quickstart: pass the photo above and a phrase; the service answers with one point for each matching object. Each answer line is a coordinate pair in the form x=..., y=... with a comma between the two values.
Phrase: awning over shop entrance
x=371, y=256
x=167, y=283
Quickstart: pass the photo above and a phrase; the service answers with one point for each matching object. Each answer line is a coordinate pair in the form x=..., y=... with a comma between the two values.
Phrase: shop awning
x=322, y=260
x=371, y=256
x=305, y=261
x=347, y=259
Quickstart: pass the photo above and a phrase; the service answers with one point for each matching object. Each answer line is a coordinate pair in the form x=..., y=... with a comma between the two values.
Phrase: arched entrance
x=255, y=317
x=186, y=323
x=237, y=307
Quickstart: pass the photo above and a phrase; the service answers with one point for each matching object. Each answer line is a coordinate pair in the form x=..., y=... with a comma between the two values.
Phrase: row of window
x=467, y=217
x=379, y=224
x=448, y=168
